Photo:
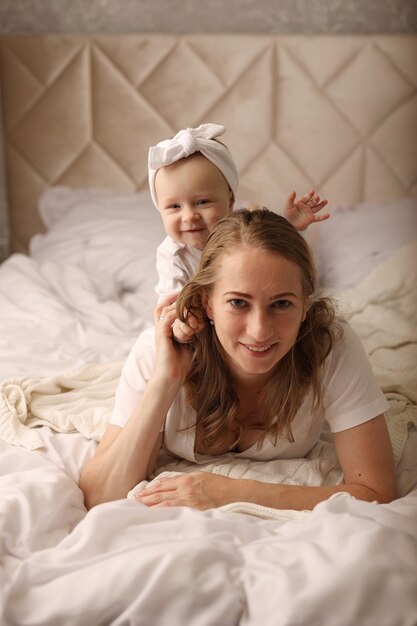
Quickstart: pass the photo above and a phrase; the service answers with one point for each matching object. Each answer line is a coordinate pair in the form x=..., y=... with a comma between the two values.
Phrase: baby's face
x=193, y=196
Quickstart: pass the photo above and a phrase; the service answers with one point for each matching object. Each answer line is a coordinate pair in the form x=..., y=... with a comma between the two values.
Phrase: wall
x=181, y=16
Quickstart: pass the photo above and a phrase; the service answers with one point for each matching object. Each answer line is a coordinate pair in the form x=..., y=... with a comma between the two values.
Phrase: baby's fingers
x=321, y=217
x=196, y=323
x=318, y=206
x=185, y=332
x=182, y=333
x=307, y=197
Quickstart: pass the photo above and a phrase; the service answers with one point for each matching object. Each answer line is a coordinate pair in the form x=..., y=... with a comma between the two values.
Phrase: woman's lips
x=258, y=351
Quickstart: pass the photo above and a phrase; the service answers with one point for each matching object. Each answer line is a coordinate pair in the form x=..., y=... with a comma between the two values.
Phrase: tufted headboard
x=338, y=113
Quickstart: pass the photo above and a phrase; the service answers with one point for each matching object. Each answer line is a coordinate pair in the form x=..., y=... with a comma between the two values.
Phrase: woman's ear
x=205, y=299
x=305, y=309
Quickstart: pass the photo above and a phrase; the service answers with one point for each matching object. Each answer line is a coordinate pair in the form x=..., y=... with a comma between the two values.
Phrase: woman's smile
x=258, y=351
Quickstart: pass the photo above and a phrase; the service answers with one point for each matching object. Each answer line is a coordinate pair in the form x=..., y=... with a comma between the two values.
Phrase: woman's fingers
x=166, y=319
x=167, y=305
x=167, y=313
x=157, y=491
x=200, y=490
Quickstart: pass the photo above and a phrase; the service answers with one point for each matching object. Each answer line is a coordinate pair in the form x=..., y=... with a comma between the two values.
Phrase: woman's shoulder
x=345, y=336
x=348, y=353
x=351, y=392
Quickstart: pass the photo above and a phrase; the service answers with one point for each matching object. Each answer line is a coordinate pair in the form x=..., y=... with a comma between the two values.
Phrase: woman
x=270, y=365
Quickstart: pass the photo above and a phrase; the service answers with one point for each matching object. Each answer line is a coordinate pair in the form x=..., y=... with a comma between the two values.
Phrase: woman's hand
x=172, y=359
x=199, y=490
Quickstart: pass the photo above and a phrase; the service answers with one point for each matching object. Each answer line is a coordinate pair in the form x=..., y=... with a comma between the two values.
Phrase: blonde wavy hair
x=209, y=383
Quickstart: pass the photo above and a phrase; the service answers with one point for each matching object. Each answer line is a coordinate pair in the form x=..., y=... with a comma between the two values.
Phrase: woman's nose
x=259, y=326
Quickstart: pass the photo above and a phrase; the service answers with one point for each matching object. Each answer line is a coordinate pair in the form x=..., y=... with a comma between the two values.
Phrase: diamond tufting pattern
x=335, y=113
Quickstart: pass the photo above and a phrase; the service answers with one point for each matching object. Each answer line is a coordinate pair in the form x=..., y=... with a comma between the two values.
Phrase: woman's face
x=257, y=304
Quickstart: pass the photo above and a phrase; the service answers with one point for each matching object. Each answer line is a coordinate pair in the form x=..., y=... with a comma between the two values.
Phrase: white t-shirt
x=351, y=396
x=175, y=264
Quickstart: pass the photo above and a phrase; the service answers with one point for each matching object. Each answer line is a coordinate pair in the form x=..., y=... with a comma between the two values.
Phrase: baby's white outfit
x=175, y=264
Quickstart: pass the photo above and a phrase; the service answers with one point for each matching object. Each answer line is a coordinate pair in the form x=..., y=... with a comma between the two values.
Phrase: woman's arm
x=125, y=456
x=364, y=453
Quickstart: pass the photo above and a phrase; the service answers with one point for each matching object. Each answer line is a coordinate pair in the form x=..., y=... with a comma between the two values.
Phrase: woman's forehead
x=250, y=266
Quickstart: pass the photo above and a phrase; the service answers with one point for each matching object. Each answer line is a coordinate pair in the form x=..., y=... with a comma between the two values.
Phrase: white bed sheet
x=56, y=316
x=347, y=562
x=87, y=290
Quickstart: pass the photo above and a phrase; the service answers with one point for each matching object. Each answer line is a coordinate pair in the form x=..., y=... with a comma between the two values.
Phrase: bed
x=79, y=114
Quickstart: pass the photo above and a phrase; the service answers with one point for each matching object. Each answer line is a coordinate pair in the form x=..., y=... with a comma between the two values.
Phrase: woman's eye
x=282, y=304
x=237, y=303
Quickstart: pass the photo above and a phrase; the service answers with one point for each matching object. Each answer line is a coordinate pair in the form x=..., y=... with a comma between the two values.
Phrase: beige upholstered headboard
x=335, y=113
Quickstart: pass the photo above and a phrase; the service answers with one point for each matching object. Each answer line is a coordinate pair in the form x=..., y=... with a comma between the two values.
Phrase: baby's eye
x=237, y=303
x=203, y=201
x=173, y=206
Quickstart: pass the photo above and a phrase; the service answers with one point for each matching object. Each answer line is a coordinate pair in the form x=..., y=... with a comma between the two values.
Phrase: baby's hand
x=184, y=333
x=303, y=212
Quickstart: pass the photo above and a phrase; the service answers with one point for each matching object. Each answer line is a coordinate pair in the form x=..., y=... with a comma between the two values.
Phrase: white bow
x=184, y=144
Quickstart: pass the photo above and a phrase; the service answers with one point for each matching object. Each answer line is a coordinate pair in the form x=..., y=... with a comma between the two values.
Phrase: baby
x=193, y=182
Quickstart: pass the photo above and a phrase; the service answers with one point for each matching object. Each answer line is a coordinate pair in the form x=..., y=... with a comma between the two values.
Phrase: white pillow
x=101, y=230
x=355, y=239
x=55, y=202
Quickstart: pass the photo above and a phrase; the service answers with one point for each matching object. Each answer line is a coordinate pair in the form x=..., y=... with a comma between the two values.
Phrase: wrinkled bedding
x=346, y=562
x=57, y=317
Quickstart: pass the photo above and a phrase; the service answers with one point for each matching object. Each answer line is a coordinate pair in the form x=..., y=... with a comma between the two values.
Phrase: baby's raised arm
x=304, y=211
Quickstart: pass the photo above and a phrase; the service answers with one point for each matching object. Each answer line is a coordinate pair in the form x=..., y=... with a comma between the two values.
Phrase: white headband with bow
x=185, y=143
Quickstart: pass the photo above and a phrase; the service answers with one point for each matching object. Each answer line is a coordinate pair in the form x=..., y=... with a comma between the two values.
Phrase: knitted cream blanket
x=81, y=401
